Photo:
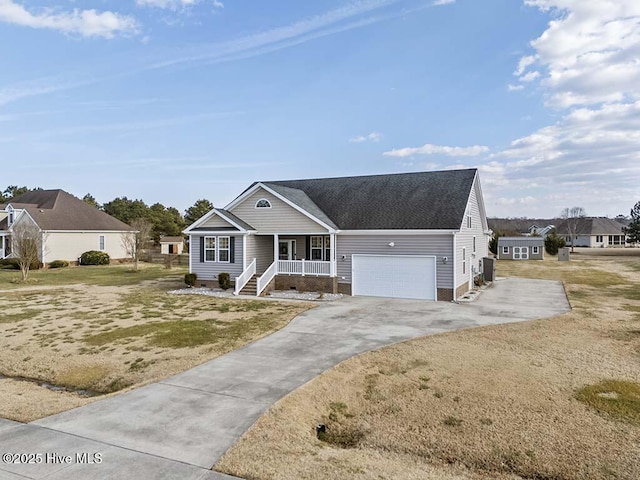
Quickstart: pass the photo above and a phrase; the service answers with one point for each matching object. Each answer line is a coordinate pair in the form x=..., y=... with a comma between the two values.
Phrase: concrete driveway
x=180, y=427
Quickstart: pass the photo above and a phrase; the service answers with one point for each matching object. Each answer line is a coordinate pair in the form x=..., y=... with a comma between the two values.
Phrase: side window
x=505, y=250
x=263, y=203
x=101, y=242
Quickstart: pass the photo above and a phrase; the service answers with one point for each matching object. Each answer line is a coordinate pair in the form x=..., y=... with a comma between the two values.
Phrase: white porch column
x=276, y=254
x=332, y=254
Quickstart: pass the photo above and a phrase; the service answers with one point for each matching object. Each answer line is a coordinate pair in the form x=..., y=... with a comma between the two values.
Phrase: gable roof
x=59, y=210
x=592, y=226
x=403, y=201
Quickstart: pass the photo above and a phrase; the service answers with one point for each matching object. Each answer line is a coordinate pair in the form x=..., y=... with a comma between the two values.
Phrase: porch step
x=251, y=288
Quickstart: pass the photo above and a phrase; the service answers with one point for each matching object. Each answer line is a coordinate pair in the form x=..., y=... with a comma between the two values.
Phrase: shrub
x=224, y=280
x=14, y=264
x=553, y=243
x=9, y=264
x=190, y=279
x=59, y=264
x=94, y=257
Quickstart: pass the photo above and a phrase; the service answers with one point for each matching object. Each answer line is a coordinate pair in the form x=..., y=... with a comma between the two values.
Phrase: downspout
x=455, y=268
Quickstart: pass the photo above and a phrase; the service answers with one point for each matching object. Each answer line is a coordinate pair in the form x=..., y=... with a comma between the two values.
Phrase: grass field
x=554, y=399
x=104, y=329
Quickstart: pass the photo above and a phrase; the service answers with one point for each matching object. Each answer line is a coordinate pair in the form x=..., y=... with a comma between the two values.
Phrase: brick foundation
x=306, y=283
x=462, y=289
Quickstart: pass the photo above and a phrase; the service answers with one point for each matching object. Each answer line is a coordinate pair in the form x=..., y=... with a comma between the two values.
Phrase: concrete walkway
x=180, y=427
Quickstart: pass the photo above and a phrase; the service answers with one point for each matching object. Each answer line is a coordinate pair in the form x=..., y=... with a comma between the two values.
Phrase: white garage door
x=397, y=276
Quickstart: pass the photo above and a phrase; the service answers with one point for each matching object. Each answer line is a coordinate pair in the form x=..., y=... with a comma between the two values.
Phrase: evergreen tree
x=633, y=230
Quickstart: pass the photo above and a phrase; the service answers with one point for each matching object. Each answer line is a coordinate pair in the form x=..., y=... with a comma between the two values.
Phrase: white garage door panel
x=394, y=276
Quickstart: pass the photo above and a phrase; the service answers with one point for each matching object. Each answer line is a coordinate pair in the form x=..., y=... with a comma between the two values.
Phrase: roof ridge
x=370, y=175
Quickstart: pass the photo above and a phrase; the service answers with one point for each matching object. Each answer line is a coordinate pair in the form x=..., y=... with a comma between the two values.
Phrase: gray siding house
x=592, y=232
x=412, y=235
x=521, y=248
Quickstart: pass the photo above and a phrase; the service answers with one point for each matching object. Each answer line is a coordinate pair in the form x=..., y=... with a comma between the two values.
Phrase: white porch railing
x=244, y=278
x=266, y=278
x=304, y=267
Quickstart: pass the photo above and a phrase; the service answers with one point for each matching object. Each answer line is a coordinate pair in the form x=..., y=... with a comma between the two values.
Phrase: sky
x=171, y=101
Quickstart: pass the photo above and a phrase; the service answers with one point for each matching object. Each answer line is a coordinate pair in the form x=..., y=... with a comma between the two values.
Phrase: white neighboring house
x=68, y=225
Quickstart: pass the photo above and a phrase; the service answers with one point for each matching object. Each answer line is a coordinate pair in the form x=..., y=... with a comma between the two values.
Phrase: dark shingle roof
x=592, y=226
x=424, y=200
x=171, y=239
x=236, y=220
x=59, y=210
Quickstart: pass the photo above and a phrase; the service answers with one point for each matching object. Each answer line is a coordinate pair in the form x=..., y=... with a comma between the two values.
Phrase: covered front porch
x=286, y=261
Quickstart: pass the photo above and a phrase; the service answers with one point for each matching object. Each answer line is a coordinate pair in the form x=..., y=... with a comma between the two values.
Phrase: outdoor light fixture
x=344, y=257
x=391, y=244
x=445, y=260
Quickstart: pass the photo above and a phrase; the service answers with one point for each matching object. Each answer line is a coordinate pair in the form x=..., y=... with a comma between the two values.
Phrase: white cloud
x=176, y=4
x=442, y=2
x=86, y=23
x=513, y=88
x=587, y=64
x=590, y=51
x=429, y=149
x=372, y=137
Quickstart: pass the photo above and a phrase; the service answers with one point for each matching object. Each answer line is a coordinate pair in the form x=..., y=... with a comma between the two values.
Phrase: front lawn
x=556, y=398
x=99, y=330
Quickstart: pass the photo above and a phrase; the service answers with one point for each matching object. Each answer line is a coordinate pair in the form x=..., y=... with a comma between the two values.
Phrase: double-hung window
x=209, y=249
x=535, y=250
x=316, y=248
x=101, y=243
x=464, y=260
x=223, y=249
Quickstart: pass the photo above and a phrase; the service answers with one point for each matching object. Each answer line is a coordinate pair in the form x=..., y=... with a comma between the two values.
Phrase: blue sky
x=174, y=100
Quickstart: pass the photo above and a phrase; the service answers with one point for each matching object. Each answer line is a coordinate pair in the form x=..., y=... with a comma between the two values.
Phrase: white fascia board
x=397, y=232
x=480, y=200
x=19, y=218
x=284, y=199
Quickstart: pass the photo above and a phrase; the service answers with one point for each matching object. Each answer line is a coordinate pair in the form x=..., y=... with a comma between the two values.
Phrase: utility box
x=563, y=254
x=489, y=269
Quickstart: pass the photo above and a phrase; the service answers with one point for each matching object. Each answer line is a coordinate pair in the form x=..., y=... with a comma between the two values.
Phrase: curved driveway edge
x=194, y=417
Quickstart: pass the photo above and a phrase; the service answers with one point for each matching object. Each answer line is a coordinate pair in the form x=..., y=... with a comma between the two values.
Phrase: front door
x=287, y=250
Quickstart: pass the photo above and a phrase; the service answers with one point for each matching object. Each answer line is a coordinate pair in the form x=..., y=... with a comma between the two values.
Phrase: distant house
x=592, y=232
x=68, y=225
x=536, y=231
x=521, y=248
x=171, y=245
x=412, y=235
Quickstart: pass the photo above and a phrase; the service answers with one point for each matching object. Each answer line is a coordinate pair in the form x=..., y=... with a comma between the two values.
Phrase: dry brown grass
x=489, y=403
x=107, y=338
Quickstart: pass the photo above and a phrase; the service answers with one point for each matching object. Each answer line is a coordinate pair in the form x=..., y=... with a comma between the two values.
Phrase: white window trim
x=102, y=243
x=464, y=260
x=505, y=250
x=215, y=248
x=469, y=221
x=263, y=200
x=312, y=248
x=535, y=250
x=228, y=249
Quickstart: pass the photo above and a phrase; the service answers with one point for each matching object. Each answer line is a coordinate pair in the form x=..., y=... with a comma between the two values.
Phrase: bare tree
x=26, y=244
x=572, y=217
x=135, y=241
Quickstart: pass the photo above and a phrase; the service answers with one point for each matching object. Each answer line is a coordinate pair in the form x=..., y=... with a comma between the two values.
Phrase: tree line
x=163, y=220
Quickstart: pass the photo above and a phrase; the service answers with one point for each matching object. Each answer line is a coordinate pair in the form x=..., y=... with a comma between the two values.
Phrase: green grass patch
x=28, y=314
x=618, y=398
x=105, y=275
x=186, y=333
